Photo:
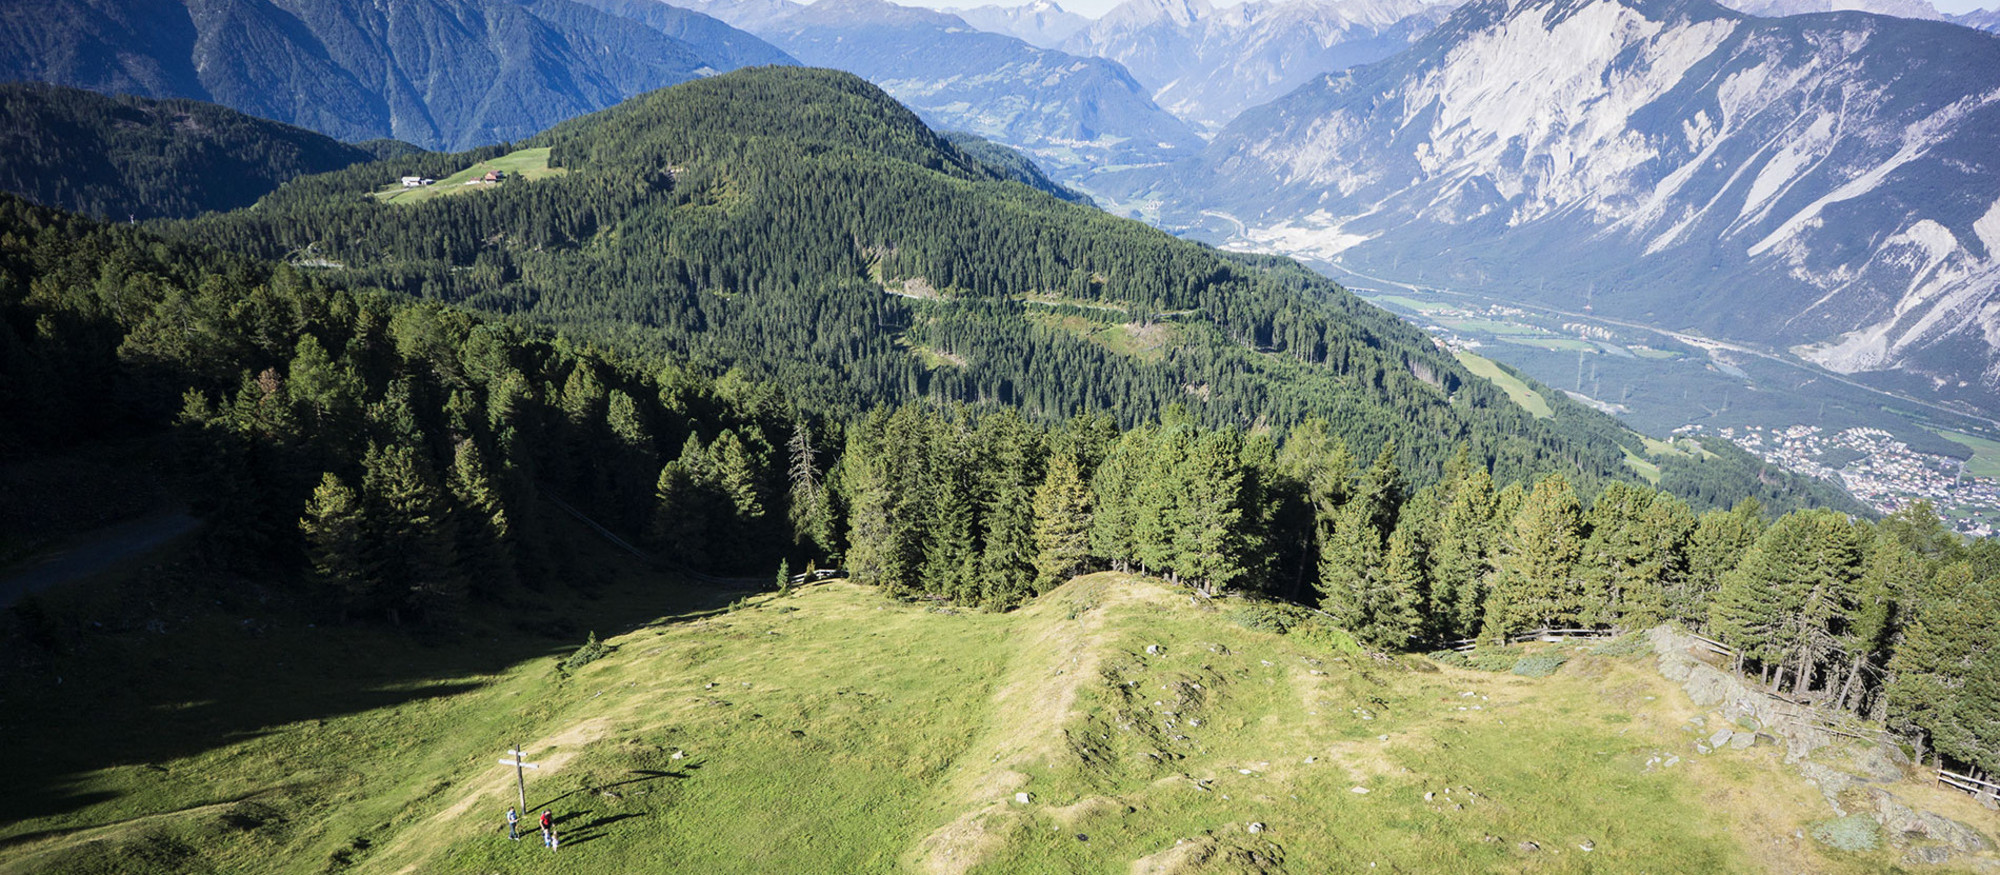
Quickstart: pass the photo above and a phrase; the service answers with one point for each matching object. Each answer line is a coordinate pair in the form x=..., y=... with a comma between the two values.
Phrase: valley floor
x=1113, y=725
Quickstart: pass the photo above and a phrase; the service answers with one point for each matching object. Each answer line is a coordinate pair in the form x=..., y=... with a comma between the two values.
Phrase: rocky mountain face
x=1828, y=184
x=1040, y=23
x=1983, y=19
x=1899, y=8
x=750, y=15
x=443, y=74
x=1207, y=65
x=1072, y=114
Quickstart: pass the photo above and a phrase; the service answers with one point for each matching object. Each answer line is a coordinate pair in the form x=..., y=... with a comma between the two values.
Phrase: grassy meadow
x=523, y=164
x=833, y=730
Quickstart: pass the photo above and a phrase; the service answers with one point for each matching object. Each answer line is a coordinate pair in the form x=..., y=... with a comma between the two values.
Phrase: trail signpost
x=520, y=777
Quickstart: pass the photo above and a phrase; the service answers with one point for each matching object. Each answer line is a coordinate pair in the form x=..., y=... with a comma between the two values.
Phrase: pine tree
x=487, y=534
x=1062, y=524
x=1403, y=589
x=1537, y=585
x=681, y=515
x=1635, y=553
x=336, y=528
x=1350, y=557
x=1461, y=558
x=1381, y=490
x=412, y=536
x=1112, y=490
x=1718, y=543
x=811, y=512
x=1941, y=678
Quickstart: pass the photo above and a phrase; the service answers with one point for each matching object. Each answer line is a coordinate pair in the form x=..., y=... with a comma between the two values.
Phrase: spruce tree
x=1208, y=541
x=1062, y=524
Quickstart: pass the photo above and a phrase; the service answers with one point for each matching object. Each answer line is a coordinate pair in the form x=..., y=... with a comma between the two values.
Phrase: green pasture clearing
x=1516, y=389
x=1985, y=460
x=834, y=730
x=1425, y=307
x=1557, y=344
x=1647, y=352
x=1645, y=467
x=524, y=164
x=1488, y=326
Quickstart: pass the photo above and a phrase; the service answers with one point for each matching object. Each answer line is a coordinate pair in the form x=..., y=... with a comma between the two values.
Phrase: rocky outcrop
x=1750, y=714
x=1751, y=709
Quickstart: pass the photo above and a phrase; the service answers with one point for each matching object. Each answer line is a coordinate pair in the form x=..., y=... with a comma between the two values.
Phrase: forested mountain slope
x=438, y=73
x=129, y=157
x=803, y=227
x=1656, y=159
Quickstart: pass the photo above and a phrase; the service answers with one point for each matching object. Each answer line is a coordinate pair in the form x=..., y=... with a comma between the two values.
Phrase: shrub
x=1540, y=665
x=1494, y=658
x=1276, y=619
x=1322, y=634
x=1451, y=658
x=591, y=651
x=1628, y=644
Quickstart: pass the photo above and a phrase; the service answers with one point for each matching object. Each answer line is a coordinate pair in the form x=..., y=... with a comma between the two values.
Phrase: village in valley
x=1877, y=469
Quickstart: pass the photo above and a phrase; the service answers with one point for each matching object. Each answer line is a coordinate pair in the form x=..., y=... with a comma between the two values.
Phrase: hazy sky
x=1094, y=8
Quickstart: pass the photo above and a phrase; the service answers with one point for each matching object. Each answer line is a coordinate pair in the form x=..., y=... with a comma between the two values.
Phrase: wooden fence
x=1968, y=783
x=1463, y=645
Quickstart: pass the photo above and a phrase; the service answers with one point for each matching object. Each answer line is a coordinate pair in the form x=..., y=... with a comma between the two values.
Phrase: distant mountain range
x=1825, y=183
x=1040, y=23
x=1073, y=114
x=443, y=74
x=1208, y=65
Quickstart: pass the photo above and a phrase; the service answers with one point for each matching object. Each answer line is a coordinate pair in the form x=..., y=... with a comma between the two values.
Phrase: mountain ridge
x=437, y=73
x=1664, y=158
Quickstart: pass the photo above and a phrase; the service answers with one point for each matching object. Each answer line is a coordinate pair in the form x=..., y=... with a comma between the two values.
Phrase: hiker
x=548, y=830
x=513, y=819
x=555, y=840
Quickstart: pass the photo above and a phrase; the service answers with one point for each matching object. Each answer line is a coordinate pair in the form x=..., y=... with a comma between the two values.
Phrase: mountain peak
x=1138, y=13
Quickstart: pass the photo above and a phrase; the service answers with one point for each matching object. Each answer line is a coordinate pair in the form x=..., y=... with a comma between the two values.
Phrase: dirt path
x=91, y=552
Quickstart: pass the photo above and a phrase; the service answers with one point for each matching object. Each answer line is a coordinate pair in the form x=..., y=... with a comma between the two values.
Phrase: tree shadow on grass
x=144, y=679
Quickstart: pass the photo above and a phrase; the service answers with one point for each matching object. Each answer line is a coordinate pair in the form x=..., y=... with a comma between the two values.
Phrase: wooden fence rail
x=1465, y=644
x=1967, y=783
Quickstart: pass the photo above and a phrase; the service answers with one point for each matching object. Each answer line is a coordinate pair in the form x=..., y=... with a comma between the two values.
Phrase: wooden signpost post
x=520, y=777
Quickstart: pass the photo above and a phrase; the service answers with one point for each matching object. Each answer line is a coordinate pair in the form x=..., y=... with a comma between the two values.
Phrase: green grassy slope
x=833, y=730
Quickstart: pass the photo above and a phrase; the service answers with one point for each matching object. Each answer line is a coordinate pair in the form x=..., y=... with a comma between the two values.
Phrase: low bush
x=1540, y=665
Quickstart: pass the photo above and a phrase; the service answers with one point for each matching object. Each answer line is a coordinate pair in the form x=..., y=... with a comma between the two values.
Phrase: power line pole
x=520, y=777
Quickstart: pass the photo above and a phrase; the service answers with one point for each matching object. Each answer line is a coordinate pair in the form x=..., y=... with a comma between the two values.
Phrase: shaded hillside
x=438, y=73
x=129, y=157
x=1013, y=165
